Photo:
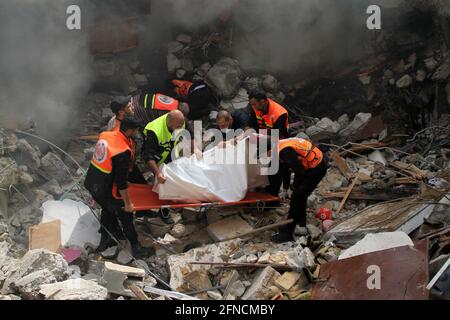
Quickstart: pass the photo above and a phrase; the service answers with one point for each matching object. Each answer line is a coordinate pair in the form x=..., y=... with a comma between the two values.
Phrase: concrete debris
x=377, y=242
x=225, y=77
x=404, y=81
x=229, y=227
x=33, y=261
x=324, y=125
x=358, y=123
x=269, y=83
x=260, y=288
x=173, y=63
x=287, y=280
x=74, y=289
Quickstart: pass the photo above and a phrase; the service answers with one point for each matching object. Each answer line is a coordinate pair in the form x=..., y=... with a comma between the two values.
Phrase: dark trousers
x=112, y=213
x=302, y=190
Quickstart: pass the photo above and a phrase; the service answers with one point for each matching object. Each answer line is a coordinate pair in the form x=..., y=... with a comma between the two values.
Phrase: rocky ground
x=385, y=122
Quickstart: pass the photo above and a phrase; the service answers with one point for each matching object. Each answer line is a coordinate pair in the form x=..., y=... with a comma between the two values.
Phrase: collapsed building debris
x=385, y=124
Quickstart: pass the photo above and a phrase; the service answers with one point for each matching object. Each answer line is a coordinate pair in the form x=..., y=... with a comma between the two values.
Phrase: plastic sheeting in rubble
x=224, y=174
x=78, y=224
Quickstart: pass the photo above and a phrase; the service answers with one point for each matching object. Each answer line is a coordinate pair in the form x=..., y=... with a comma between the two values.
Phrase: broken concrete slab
x=179, y=265
x=236, y=289
x=405, y=215
x=33, y=261
x=404, y=276
x=225, y=77
x=129, y=271
x=287, y=280
x=31, y=282
x=377, y=242
x=260, y=288
x=197, y=280
x=229, y=227
x=74, y=289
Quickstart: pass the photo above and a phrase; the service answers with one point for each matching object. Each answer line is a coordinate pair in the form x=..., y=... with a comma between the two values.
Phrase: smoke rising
x=284, y=36
x=44, y=67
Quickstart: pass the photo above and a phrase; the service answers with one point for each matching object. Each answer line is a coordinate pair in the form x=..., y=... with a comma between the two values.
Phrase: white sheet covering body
x=222, y=175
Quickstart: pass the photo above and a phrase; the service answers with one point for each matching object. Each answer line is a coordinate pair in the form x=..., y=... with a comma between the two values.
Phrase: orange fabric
x=309, y=155
x=110, y=144
x=182, y=88
x=162, y=102
x=143, y=198
x=266, y=121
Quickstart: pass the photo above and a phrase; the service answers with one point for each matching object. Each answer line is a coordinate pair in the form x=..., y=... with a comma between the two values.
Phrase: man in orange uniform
x=310, y=166
x=267, y=114
x=108, y=174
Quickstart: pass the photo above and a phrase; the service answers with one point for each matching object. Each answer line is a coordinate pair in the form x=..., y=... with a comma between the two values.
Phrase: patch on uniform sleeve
x=165, y=99
x=100, y=152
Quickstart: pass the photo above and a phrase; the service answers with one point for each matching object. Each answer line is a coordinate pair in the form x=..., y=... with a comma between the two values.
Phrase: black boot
x=105, y=242
x=165, y=216
x=140, y=252
x=283, y=235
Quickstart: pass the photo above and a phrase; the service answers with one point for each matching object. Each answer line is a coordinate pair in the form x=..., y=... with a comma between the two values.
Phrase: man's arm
x=151, y=153
x=121, y=164
x=252, y=122
x=290, y=159
x=281, y=126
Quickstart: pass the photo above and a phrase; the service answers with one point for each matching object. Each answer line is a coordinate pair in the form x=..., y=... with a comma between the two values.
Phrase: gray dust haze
x=44, y=67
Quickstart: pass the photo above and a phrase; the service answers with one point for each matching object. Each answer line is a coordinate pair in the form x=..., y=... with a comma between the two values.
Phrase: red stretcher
x=143, y=199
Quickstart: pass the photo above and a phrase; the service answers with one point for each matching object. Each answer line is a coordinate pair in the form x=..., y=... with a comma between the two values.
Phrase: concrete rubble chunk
x=228, y=227
x=240, y=101
x=214, y=295
x=110, y=253
x=25, y=147
x=225, y=77
x=179, y=265
x=184, y=38
x=301, y=258
x=314, y=231
x=343, y=120
x=35, y=260
x=174, y=47
x=377, y=242
x=269, y=83
x=74, y=289
x=287, y=280
x=198, y=280
x=260, y=288
x=55, y=168
x=442, y=72
x=358, y=123
x=10, y=172
x=324, y=125
x=378, y=156
x=404, y=82
x=237, y=289
x=173, y=63
x=32, y=281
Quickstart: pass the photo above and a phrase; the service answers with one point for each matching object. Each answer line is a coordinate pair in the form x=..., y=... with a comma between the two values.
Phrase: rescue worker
x=234, y=121
x=106, y=181
x=267, y=114
x=199, y=96
x=120, y=106
x=159, y=143
x=148, y=107
x=310, y=166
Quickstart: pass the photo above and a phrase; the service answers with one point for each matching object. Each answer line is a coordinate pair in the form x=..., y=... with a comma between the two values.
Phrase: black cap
x=119, y=102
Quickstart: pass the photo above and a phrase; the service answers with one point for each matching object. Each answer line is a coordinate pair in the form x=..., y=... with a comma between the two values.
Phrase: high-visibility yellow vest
x=165, y=138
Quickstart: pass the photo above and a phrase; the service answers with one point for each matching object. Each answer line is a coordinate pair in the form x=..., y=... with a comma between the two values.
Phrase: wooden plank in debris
x=347, y=193
x=409, y=169
x=45, y=236
x=129, y=271
x=342, y=165
x=138, y=292
x=229, y=227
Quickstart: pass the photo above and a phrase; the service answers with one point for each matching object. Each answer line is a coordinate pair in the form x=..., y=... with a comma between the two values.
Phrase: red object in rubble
x=324, y=214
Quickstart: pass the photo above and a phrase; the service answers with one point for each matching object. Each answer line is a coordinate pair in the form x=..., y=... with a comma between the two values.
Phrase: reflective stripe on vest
x=182, y=88
x=162, y=102
x=267, y=121
x=309, y=155
x=110, y=144
x=164, y=136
